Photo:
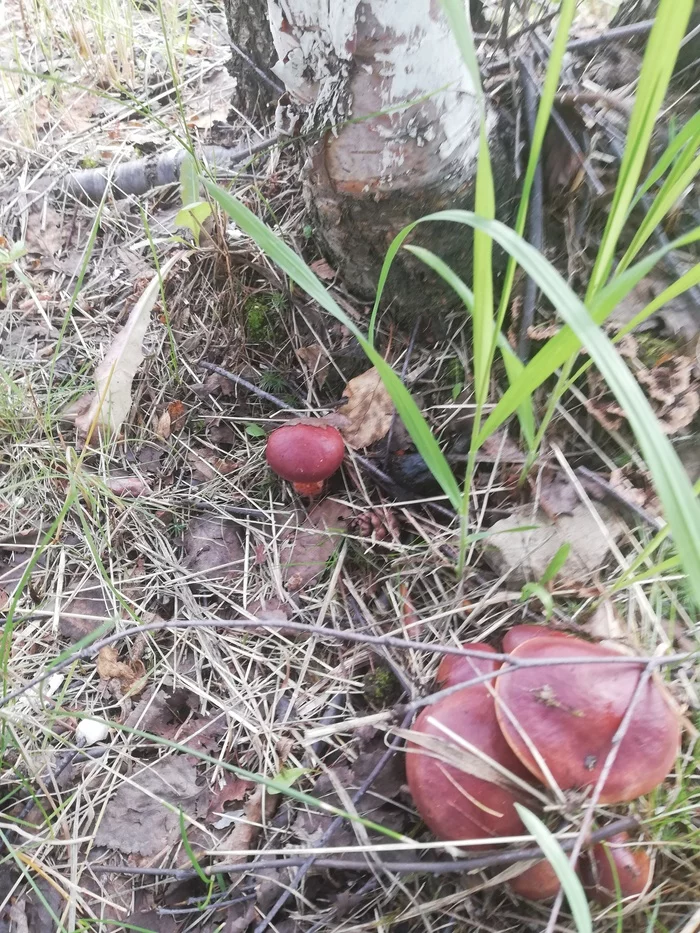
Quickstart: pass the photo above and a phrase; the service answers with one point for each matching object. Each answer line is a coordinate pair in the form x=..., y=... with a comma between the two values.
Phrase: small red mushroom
x=522, y=633
x=459, y=668
x=615, y=861
x=570, y=713
x=305, y=454
x=539, y=882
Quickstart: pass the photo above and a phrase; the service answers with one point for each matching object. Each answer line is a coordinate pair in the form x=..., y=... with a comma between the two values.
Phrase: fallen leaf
x=233, y=789
x=679, y=315
x=123, y=484
x=606, y=623
x=110, y=403
x=16, y=552
x=137, y=820
x=555, y=493
x=259, y=807
x=130, y=675
x=525, y=555
x=304, y=558
x=162, y=426
x=213, y=550
x=83, y=609
x=672, y=386
x=147, y=917
x=44, y=237
x=206, y=465
x=215, y=102
x=323, y=269
x=316, y=361
x=635, y=486
x=369, y=410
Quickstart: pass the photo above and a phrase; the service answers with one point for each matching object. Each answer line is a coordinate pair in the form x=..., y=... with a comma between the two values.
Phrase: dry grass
x=266, y=691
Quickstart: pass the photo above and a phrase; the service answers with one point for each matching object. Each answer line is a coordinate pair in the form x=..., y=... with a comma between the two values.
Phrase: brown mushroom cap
x=570, y=712
x=305, y=454
x=457, y=669
x=519, y=634
x=453, y=803
x=539, y=882
x=613, y=861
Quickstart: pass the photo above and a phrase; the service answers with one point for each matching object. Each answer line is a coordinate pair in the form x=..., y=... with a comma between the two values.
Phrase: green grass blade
x=298, y=271
x=549, y=90
x=674, y=186
x=557, y=858
x=681, y=507
x=559, y=348
x=512, y=363
x=687, y=137
x=659, y=60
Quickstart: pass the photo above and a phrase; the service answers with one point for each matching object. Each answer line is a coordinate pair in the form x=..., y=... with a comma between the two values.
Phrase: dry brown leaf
x=44, y=237
x=138, y=820
x=83, y=609
x=215, y=104
x=323, y=269
x=369, y=410
x=109, y=667
x=672, y=386
x=304, y=559
x=556, y=495
x=110, y=403
x=162, y=426
x=125, y=485
x=233, y=789
x=606, y=623
x=259, y=807
x=213, y=549
x=316, y=361
x=206, y=465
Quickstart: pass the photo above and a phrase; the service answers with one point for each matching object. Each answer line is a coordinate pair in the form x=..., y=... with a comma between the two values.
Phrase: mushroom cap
x=614, y=860
x=539, y=882
x=452, y=802
x=571, y=712
x=522, y=633
x=457, y=669
x=305, y=453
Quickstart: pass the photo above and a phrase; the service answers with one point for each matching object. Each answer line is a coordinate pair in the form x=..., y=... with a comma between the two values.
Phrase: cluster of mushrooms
x=545, y=719
x=552, y=721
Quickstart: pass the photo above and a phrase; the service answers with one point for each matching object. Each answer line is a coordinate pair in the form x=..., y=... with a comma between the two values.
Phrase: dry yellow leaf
x=369, y=410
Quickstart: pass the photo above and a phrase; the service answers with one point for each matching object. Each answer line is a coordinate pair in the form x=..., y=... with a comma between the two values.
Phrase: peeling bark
x=250, y=34
x=385, y=77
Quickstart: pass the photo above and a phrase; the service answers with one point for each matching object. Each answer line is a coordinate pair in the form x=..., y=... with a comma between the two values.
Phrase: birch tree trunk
x=384, y=93
x=252, y=57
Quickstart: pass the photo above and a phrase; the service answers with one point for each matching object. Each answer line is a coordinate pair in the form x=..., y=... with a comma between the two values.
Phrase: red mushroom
x=522, y=633
x=539, y=882
x=454, y=802
x=459, y=668
x=571, y=712
x=614, y=865
x=305, y=454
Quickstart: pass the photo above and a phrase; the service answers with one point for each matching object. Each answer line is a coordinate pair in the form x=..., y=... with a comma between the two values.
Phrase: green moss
x=651, y=349
x=381, y=688
x=262, y=317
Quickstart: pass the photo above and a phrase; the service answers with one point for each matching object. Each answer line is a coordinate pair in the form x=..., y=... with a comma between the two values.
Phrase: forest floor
x=271, y=627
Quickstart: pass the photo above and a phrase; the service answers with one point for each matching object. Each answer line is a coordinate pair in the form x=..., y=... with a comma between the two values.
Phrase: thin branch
x=492, y=859
x=610, y=35
x=535, y=223
x=383, y=641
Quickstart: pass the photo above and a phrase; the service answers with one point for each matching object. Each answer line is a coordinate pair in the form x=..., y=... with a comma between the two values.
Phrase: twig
x=391, y=641
x=610, y=35
x=270, y=81
x=492, y=859
x=335, y=825
x=589, y=476
x=239, y=380
x=534, y=222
